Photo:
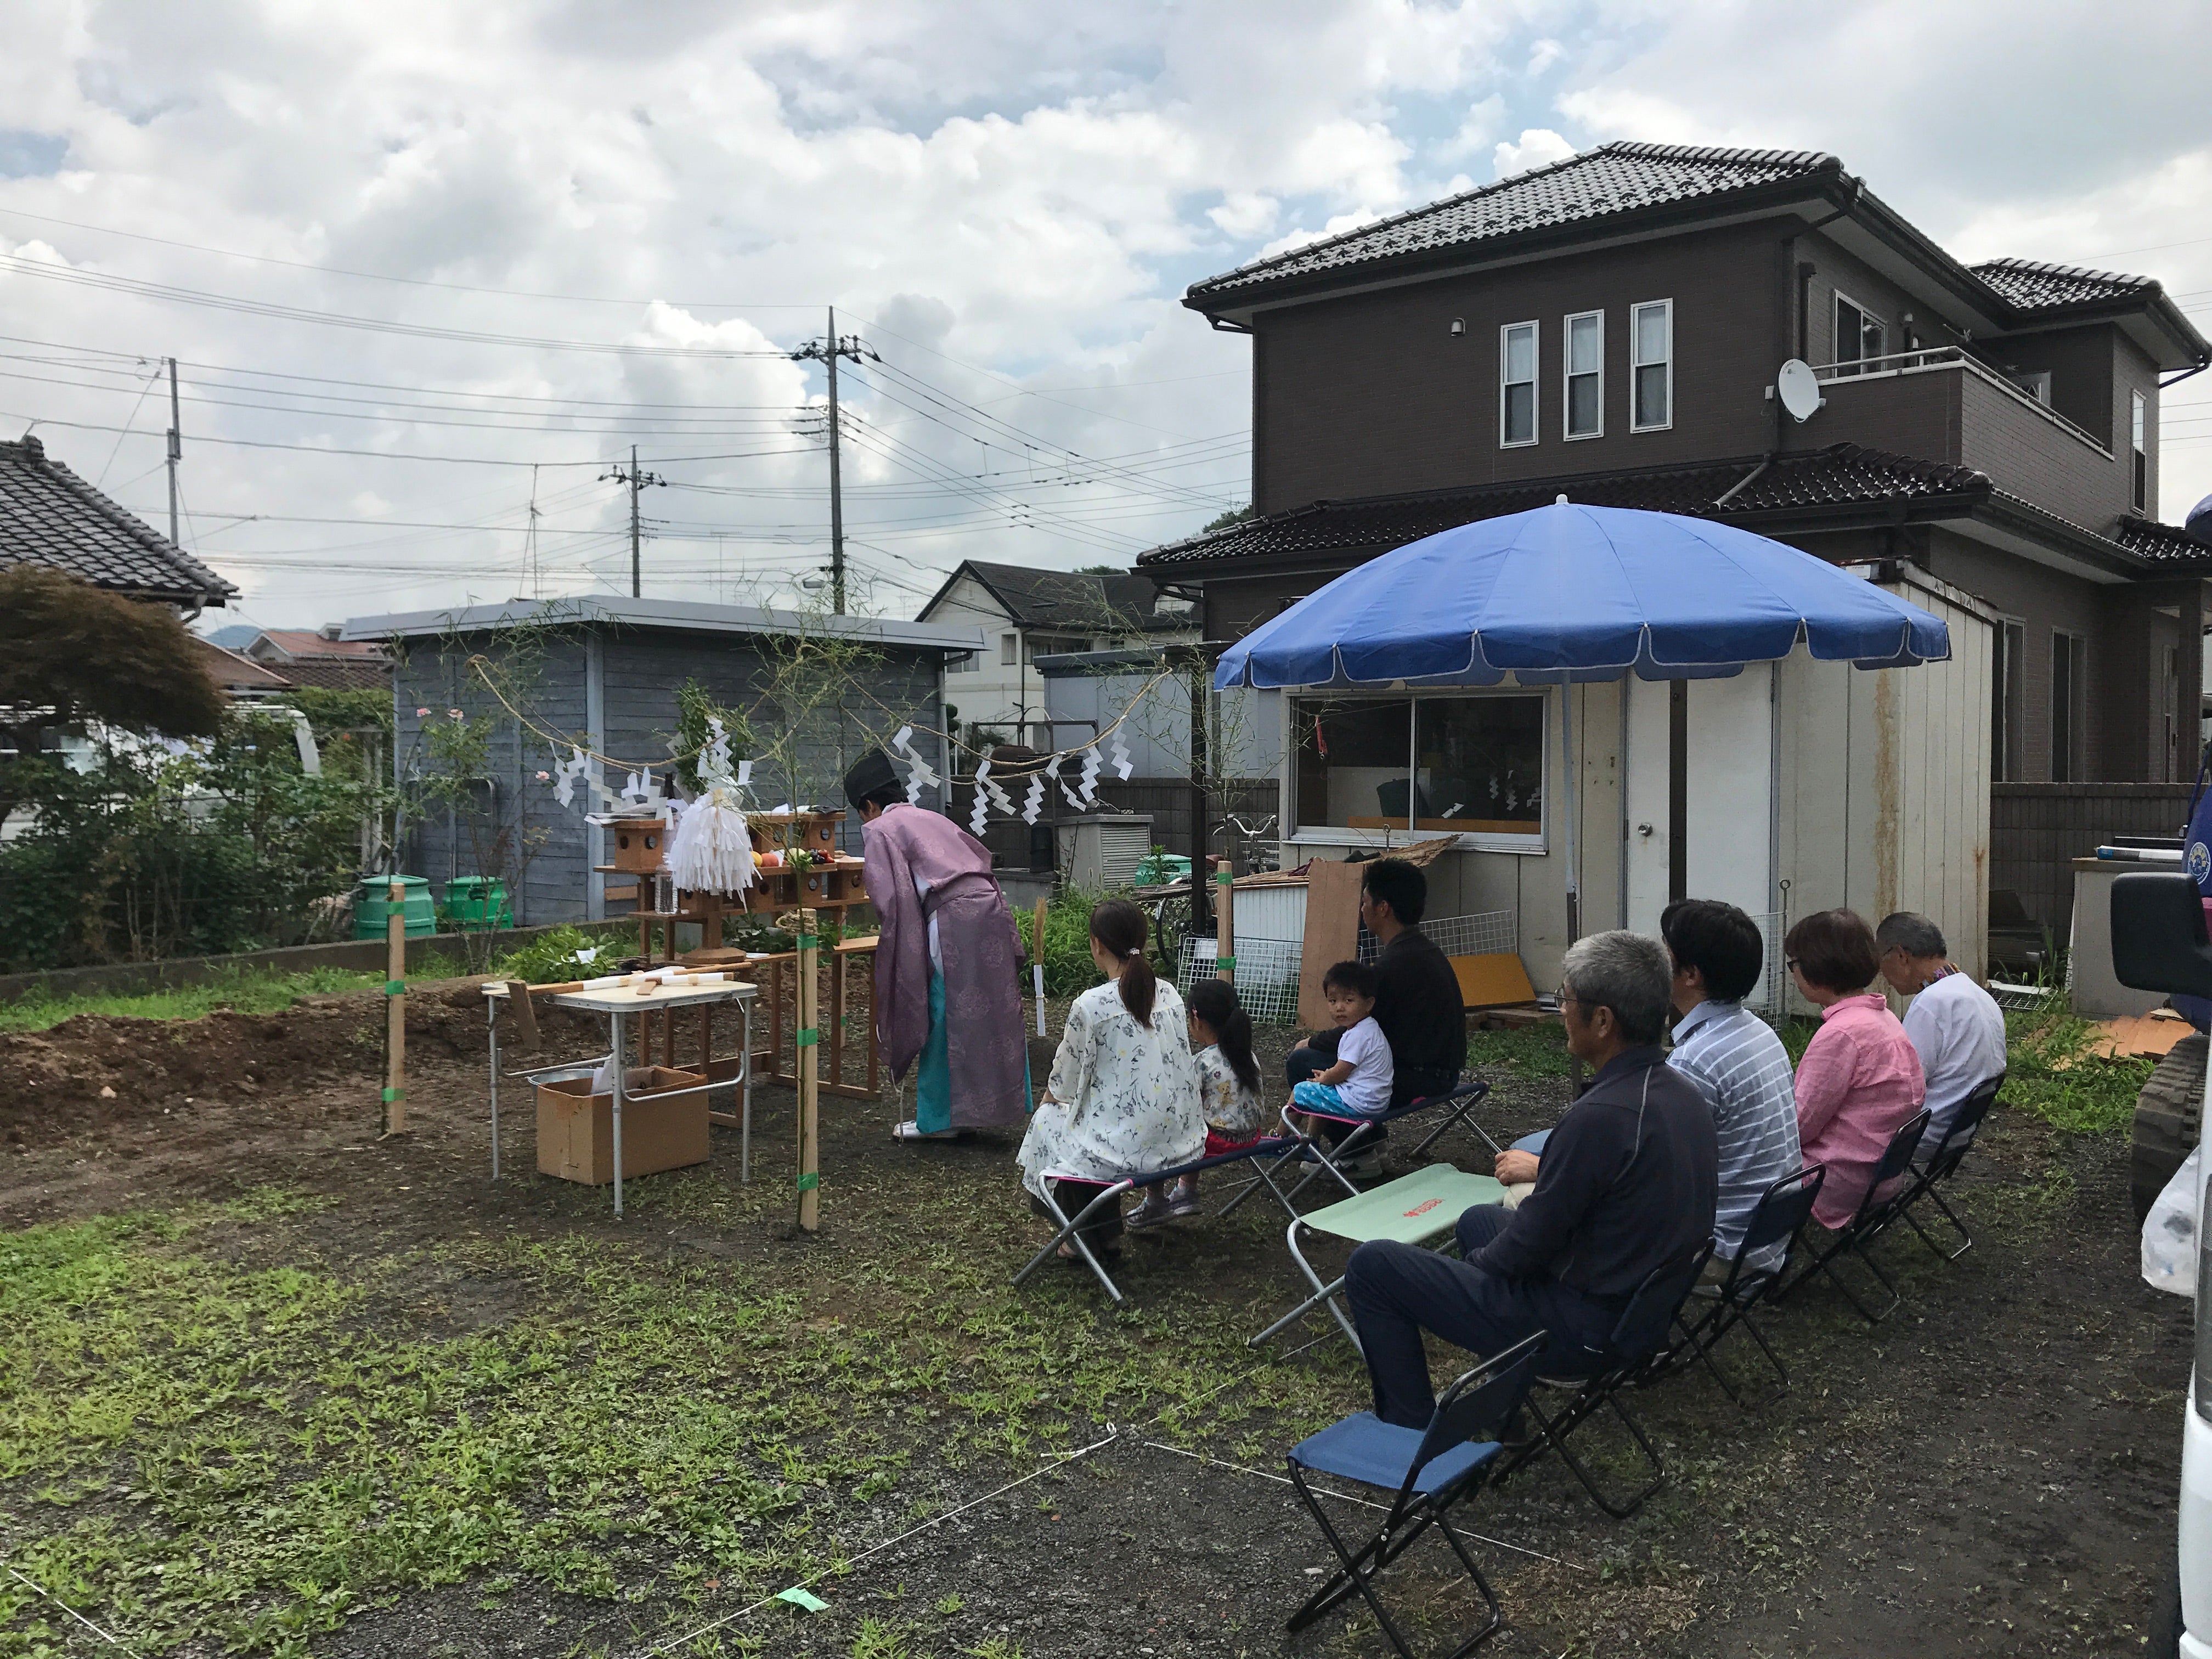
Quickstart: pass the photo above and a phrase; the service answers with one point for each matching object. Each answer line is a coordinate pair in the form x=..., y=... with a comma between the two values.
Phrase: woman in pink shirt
x=1860, y=1079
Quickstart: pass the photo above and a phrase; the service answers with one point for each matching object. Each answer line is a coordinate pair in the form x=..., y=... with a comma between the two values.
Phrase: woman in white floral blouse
x=1122, y=1099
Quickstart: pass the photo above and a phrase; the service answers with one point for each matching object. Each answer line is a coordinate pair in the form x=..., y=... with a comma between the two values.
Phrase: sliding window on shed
x=1465, y=765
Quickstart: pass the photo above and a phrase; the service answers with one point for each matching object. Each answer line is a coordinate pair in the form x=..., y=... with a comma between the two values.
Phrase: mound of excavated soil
x=54, y=1083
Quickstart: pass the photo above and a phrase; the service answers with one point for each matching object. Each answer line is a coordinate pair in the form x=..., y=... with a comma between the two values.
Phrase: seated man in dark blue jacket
x=1627, y=1182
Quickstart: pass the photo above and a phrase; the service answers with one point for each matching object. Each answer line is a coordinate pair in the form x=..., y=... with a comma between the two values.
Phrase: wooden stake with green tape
x=395, y=1009
x=1224, y=946
x=809, y=1091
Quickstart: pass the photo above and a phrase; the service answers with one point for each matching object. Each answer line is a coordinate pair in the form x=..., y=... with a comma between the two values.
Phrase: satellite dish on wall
x=1799, y=388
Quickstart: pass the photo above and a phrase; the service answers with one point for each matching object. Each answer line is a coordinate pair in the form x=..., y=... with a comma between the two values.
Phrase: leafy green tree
x=72, y=656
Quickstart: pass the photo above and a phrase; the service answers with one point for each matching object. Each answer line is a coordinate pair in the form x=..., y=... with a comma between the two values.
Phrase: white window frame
x=1635, y=312
x=1867, y=314
x=1567, y=374
x=1536, y=379
x=1302, y=834
x=1010, y=650
x=2138, y=452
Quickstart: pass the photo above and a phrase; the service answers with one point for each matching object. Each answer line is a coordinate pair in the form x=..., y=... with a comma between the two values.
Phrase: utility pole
x=636, y=481
x=826, y=351
x=176, y=451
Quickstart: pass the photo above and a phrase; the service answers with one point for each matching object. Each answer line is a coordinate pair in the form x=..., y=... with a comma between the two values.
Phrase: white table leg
x=745, y=1106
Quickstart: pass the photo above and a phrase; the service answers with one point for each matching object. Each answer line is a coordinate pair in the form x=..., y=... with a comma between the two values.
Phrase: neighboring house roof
x=240, y=676
x=1842, y=485
x=2032, y=285
x=1626, y=190
x=306, y=645
x=367, y=674
x=1069, y=598
x=50, y=516
x=1614, y=179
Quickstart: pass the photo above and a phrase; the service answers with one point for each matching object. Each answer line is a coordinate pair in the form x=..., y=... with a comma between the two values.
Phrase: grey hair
x=1911, y=933
x=1627, y=973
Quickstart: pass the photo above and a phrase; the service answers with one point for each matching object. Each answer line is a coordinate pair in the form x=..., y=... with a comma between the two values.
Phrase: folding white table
x=617, y=1004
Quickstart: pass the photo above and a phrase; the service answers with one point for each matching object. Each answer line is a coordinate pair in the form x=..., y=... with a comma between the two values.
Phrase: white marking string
x=72, y=1611
x=874, y=1549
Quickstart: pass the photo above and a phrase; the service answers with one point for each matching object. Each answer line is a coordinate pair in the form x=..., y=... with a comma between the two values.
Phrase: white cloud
x=1538, y=147
x=1005, y=200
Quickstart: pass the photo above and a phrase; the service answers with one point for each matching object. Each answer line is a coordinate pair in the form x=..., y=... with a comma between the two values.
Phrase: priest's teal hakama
x=948, y=971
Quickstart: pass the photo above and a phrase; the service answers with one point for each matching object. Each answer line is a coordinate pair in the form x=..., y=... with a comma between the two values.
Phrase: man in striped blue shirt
x=1732, y=1057
x=1735, y=1058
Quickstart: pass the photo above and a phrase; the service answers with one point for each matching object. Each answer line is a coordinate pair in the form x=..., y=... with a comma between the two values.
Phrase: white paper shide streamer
x=1088, y=783
x=711, y=851
x=980, y=816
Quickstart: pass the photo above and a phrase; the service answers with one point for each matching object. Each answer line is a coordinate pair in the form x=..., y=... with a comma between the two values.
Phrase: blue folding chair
x=1778, y=1223
x=1431, y=1470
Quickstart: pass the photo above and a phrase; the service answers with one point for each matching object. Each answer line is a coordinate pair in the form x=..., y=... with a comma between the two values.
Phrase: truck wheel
x=2166, y=1119
x=2166, y=1625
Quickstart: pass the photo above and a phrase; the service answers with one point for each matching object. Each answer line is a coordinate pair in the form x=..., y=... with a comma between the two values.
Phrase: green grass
x=247, y=992
x=2051, y=1073
x=241, y=1454
x=1531, y=1051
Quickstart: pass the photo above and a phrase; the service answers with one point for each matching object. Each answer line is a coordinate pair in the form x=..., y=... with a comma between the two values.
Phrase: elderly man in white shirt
x=1956, y=1027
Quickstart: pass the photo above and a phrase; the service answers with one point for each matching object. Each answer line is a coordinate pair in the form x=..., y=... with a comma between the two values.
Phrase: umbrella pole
x=1567, y=758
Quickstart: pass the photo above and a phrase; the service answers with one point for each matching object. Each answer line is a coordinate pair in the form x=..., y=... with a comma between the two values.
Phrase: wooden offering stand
x=829, y=884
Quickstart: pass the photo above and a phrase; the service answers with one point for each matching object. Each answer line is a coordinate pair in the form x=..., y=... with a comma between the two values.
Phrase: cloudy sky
x=430, y=268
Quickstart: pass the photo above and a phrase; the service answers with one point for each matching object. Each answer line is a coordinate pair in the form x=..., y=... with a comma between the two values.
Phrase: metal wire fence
x=1267, y=968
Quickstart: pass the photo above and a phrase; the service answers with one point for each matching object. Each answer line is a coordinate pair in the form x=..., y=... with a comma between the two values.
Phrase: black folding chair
x=1779, y=1219
x=1939, y=1170
x=1876, y=1213
x=1637, y=1351
x=1431, y=1470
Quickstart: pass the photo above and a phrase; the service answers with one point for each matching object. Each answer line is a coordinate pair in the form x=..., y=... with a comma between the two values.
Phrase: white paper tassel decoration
x=1033, y=802
x=1052, y=771
x=976, y=818
x=1092, y=760
x=710, y=851
x=1122, y=758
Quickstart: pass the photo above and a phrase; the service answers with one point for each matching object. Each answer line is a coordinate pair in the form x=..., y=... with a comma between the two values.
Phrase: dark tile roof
x=1054, y=599
x=1840, y=477
x=50, y=516
x=1614, y=179
x=2032, y=285
x=2162, y=544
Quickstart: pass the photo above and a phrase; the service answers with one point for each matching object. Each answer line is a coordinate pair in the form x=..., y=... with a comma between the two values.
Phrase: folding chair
x=1414, y=1209
x=1431, y=1470
x=1633, y=1354
x=1460, y=1099
x=1779, y=1218
x=1875, y=1213
x=1070, y=1229
x=1941, y=1167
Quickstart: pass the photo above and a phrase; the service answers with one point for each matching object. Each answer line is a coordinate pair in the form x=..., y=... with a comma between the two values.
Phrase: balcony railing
x=1937, y=359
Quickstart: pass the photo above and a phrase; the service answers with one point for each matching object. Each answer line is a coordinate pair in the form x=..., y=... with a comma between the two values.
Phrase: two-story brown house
x=1611, y=327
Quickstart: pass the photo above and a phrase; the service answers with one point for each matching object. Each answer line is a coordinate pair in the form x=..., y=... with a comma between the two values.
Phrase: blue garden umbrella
x=1569, y=593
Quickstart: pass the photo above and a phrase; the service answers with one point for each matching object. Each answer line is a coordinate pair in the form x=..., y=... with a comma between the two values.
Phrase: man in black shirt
x=1636, y=1189
x=1417, y=1001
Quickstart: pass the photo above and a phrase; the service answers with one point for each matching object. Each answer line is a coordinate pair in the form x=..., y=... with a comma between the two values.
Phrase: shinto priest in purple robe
x=948, y=964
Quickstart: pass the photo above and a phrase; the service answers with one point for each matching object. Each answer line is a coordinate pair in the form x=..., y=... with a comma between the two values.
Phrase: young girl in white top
x=1228, y=1092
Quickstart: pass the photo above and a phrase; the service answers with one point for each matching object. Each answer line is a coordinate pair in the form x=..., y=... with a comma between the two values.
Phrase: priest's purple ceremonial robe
x=948, y=972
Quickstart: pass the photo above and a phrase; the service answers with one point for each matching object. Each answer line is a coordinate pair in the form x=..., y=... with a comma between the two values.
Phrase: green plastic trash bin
x=478, y=902
x=373, y=907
